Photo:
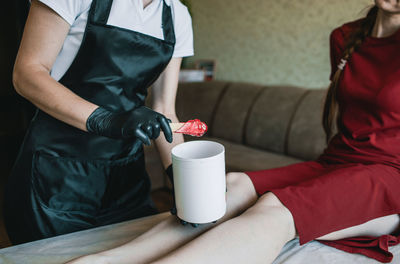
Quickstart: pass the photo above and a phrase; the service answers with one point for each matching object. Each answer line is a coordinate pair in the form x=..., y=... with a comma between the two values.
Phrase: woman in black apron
x=88, y=169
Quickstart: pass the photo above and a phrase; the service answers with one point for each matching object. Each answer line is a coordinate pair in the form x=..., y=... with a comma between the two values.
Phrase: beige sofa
x=260, y=126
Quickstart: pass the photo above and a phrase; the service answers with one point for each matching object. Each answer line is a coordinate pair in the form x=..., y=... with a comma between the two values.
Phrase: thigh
x=276, y=178
x=341, y=198
x=377, y=227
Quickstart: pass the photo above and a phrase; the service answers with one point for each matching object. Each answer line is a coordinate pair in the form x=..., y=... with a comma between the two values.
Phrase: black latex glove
x=142, y=123
x=170, y=175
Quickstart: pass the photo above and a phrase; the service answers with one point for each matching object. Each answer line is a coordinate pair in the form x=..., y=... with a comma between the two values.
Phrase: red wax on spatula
x=193, y=127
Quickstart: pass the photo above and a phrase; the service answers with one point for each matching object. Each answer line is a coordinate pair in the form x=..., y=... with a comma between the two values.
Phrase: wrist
x=98, y=121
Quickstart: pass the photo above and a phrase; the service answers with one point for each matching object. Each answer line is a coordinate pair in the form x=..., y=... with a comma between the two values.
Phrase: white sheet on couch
x=317, y=253
x=63, y=248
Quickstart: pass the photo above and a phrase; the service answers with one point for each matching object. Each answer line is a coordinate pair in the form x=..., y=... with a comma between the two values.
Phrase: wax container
x=199, y=181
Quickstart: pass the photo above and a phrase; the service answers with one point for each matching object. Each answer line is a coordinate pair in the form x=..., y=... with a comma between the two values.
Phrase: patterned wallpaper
x=270, y=42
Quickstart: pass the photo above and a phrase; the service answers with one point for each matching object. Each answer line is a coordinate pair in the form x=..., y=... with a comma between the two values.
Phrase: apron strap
x=168, y=24
x=100, y=11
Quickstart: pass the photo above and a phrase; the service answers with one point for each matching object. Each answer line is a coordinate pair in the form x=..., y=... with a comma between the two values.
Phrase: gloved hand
x=170, y=175
x=142, y=123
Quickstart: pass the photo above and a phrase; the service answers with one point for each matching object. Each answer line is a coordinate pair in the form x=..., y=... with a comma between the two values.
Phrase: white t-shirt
x=127, y=14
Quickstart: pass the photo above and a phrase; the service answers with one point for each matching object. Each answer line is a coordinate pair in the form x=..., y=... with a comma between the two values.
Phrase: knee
x=239, y=181
x=270, y=211
x=270, y=200
x=269, y=204
x=240, y=187
x=233, y=179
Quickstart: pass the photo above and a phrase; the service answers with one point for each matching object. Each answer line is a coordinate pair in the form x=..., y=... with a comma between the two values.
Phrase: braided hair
x=331, y=111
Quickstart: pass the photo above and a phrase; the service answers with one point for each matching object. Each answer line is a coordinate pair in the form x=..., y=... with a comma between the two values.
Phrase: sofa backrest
x=281, y=119
x=199, y=100
x=271, y=116
x=306, y=138
x=233, y=111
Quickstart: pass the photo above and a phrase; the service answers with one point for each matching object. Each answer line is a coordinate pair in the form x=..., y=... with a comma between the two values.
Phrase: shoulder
x=69, y=10
x=340, y=35
x=176, y=5
x=183, y=29
x=179, y=10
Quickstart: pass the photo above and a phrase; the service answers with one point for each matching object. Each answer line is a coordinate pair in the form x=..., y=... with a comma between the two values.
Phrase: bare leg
x=256, y=236
x=377, y=227
x=170, y=234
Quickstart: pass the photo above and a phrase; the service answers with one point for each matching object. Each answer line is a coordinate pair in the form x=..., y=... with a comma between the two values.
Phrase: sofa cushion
x=232, y=111
x=198, y=100
x=241, y=158
x=270, y=118
x=306, y=136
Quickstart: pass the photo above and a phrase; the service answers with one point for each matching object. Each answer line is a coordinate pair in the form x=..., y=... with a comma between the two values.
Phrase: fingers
x=166, y=128
x=152, y=129
x=142, y=136
x=138, y=143
x=156, y=130
x=148, y=129
x=150, y=126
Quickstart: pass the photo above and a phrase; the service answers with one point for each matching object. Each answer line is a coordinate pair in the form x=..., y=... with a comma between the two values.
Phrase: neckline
x=142, y=8
x=383, y=40
x=144, y=11
x=99, y=13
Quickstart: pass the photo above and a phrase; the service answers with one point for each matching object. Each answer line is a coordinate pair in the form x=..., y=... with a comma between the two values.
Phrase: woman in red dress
x=348, y=198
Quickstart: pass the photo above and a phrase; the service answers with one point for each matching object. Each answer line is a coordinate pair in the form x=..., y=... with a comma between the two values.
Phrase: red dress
x=357, y=178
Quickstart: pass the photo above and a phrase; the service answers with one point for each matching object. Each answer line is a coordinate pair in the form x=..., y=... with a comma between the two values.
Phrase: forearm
x=43, y=38
x=164, y=148
x=164, y=95
x=35, y=84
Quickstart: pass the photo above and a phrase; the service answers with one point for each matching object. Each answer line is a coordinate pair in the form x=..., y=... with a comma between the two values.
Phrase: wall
x=270, y=42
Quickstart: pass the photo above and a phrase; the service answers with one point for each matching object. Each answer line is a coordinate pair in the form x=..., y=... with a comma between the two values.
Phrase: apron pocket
x=128, y=185
x=81, y=186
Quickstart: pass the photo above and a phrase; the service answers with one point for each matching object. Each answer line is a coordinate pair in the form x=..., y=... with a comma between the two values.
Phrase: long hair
x=356, y=38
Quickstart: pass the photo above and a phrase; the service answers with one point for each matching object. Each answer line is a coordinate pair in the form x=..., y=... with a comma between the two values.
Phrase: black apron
x=65, y=179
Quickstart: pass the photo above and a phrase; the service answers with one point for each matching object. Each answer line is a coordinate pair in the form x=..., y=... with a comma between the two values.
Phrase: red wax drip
x=194, y=128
